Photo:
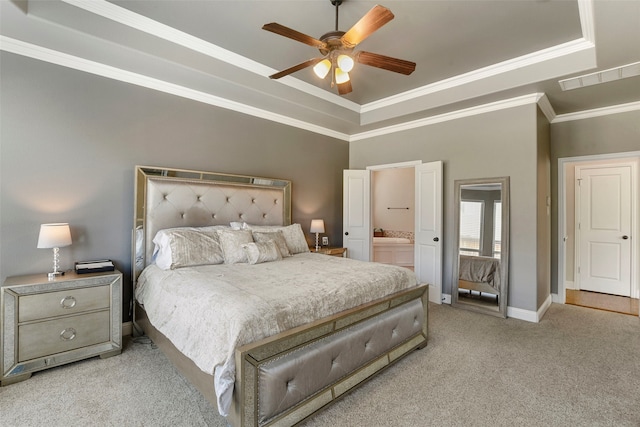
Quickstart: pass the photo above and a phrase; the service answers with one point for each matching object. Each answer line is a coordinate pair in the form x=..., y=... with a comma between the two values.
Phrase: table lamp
x=317, y=226
x=54, y=236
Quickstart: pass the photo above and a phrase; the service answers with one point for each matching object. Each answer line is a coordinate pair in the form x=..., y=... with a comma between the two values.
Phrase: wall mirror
x=481, y=272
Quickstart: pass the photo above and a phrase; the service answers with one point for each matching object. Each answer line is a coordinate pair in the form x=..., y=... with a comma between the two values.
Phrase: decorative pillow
x=231, y=242
x=187, y=246
x=276, y=236
x=296, y=242
x=261, y=252
x=236, y=225
x=293, y=235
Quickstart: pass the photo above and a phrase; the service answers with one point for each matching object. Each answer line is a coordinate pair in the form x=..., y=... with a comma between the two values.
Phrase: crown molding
x=467, y=112
x=597, y=112
x=483, y=73
x=546, y=107
x=136, y=21
x=149, y=26
x=587, y=21
x=29, y=50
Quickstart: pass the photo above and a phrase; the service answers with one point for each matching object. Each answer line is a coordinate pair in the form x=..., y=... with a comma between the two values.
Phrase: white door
x=356, y=218
x=604, y=229
x=428, y=228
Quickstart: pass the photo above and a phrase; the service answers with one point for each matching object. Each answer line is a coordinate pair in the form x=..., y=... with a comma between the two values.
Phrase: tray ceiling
x=468, y=54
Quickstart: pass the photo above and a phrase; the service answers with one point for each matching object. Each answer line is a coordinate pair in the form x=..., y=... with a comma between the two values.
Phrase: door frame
x=577, y=245
x=562, y=212
x=437, y=297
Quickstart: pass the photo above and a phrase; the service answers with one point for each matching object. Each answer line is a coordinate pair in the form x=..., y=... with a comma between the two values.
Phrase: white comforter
x=209, y=311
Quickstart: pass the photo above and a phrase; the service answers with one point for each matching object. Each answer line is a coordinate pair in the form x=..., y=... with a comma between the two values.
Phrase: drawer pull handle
x=68, y=302
x=68, y=334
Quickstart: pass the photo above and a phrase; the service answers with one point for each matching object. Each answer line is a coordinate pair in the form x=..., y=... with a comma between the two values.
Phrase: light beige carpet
x=577, y=367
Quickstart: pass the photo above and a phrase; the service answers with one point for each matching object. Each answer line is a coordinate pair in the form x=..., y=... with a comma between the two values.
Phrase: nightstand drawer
x=63, y=334
x=51, y=304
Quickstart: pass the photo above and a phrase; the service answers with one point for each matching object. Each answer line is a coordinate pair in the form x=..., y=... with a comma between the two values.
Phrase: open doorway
x=358, y=229
x=393, y=216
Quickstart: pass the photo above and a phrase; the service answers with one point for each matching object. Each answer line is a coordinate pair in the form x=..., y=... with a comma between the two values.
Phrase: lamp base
x=55, y=274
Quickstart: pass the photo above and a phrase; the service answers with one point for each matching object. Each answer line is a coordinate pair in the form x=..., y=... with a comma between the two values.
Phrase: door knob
x=346, y=233
x=625, y=237
x=435, y=239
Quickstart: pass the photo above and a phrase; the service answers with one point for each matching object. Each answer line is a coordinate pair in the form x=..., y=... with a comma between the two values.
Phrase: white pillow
x=187, y=246
x=276, y=236
x=231, y=242
x=236, y=225
x=261, y=252
x=293, y=235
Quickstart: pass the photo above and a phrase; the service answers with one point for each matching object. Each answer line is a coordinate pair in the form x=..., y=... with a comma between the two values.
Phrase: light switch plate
x=325, y=241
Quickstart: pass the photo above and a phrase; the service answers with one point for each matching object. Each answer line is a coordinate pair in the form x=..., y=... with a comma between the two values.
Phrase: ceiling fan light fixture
x=336, y=49
x=322, y=68
x=345, y=62
x=341, y=76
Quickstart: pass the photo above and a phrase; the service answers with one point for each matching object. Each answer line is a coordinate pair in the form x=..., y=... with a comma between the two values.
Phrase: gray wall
x=501, y=143
x=543, y=195
x=615, y=133
x=70, y=142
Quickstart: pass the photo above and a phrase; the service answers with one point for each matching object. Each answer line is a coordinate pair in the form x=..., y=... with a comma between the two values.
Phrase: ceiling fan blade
x=344, y=88
x=386, y=62
x=367, y=25
x=295, y=68
x=293, y=34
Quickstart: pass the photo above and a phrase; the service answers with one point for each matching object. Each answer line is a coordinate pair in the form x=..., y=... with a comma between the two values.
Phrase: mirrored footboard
x=285, y=378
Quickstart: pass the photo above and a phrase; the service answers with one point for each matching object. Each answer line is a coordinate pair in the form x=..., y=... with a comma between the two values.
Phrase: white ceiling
x=471, y=55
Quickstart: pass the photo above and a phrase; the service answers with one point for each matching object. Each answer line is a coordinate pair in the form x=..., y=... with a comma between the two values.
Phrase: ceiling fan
x=337, y=48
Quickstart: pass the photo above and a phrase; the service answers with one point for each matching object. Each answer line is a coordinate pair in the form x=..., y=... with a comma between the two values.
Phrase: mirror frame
x=504, y=246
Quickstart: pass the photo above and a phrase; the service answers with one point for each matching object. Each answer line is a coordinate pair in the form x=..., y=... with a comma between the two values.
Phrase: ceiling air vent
x=604, y=76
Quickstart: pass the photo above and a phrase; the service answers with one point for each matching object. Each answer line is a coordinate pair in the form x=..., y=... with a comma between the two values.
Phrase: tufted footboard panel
x=287, y=380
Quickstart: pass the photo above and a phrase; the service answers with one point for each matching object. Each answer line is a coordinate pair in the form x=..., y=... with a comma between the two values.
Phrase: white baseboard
x=529, y=315
x=569, y=284
x=446, y=299
x=127, y=328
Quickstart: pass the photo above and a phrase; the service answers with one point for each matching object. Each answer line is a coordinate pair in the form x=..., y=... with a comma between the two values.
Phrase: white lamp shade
x=345, y=62
x=317, y=226
x=341, y=76
x=54, y=235
x=322, y=68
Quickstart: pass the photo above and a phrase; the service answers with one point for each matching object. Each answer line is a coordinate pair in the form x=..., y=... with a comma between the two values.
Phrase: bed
x=481, y=274
x=297, y=358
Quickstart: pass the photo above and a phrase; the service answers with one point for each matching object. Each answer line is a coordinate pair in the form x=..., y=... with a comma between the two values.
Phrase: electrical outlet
x=325, y=241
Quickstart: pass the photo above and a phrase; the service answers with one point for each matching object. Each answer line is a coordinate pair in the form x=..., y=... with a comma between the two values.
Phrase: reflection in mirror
x=482, y=236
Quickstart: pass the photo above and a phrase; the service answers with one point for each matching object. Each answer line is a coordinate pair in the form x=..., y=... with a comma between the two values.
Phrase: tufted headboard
x=167, y=198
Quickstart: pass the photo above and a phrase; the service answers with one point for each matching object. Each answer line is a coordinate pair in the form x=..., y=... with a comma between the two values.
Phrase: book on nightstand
x=97, y=266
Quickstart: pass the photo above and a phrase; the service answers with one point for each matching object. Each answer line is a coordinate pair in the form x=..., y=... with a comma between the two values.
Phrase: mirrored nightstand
x=327, y=250
x=48, y=323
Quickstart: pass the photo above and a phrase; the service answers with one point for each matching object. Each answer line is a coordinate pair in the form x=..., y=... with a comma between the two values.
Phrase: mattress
x=209, y=311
